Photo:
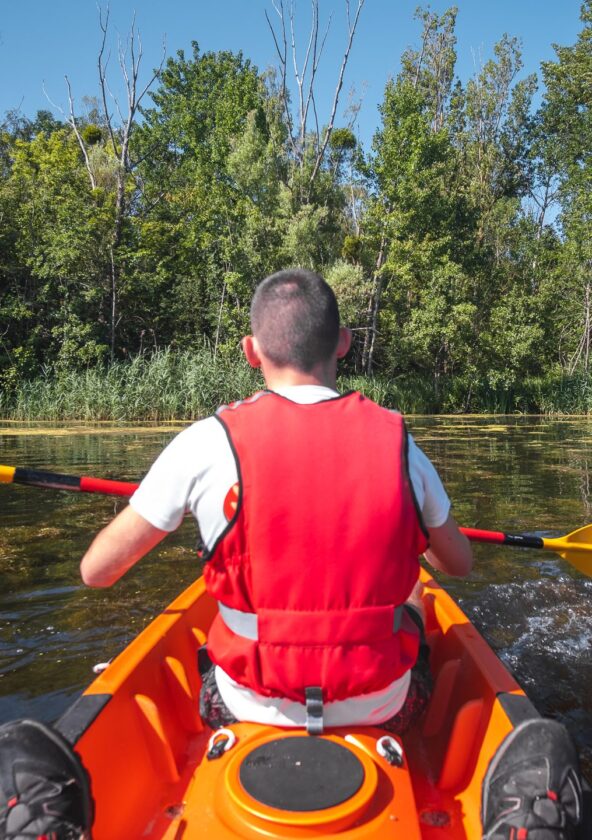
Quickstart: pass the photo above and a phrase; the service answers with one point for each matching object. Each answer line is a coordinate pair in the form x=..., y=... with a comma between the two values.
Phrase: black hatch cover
x=301, y=774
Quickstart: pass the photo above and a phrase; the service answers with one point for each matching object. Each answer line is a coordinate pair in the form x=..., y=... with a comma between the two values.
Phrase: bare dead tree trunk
x=582, y=353
x=543, y=203
x=353, y=202
x=373, y=310
x=121, y=138
x=282, y=52
x=218, y=325
x=81, y=143
x=329, y=130
x=305, y=78
x=114, y=291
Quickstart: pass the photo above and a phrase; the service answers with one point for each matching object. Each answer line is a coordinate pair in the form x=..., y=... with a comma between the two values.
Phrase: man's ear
x=251, y=351
x=343, y=342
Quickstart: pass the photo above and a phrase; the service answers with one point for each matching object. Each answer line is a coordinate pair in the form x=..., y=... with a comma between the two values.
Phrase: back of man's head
x=295, y=319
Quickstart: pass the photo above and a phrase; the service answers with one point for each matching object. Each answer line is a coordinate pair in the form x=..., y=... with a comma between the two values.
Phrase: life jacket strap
x=246, y=624
x=314, y=710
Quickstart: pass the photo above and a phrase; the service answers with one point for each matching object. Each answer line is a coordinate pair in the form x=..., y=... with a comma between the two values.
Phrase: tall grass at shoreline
x=175, y=385
x=164, y=386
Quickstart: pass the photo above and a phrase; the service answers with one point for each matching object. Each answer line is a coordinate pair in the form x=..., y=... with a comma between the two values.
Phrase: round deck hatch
x=301, y=774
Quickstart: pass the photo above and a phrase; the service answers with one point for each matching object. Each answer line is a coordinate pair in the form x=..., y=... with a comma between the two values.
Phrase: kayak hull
x=138, y=731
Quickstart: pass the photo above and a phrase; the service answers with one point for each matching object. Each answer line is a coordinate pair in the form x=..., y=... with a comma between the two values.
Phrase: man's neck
x=278, y=378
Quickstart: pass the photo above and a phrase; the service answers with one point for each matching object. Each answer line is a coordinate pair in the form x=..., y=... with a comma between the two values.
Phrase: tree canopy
x=459, y=245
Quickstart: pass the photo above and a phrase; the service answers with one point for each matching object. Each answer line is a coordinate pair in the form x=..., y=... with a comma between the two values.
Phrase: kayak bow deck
x=138, y=731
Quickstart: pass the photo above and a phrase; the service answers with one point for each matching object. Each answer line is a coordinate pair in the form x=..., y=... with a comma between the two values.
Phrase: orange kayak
x=138, y=731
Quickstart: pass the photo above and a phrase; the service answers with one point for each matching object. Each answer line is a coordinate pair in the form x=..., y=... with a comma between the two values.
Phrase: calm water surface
x=511, y=474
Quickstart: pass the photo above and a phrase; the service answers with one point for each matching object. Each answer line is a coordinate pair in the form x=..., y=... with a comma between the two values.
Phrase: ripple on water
x=542, y=631
x=551, y=614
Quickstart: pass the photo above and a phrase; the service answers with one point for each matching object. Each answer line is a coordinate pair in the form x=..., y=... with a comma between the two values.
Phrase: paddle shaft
x=576, y=547
x=87, y=484
x=519, y=540
x=58, y=481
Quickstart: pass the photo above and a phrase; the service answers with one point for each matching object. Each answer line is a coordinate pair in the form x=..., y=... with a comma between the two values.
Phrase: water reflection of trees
x=518, y=473
x=124, y=453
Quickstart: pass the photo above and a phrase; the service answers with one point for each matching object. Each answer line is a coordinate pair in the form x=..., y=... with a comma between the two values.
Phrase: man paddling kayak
x=313, y=508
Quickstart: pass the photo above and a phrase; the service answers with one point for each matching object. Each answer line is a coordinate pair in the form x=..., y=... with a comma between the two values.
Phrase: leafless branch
x=300, y=76
x=424, y=42
x=102, y=67
x=304, y=73
x=50, y=100
x=154, y=76
x=130, y=59
x=316, y=118
x=283, y=60
x=354, y=105
x=329, y=130
x=75, y=129
x=317, y=53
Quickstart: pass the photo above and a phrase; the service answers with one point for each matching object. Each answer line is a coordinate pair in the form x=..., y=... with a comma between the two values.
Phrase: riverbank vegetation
x=183, y=385
x=459, y=245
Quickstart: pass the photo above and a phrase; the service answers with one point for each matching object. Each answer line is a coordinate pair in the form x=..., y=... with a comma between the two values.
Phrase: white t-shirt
x=194, y=475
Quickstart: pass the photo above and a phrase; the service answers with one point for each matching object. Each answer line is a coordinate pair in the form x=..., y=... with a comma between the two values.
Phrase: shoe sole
x=547, y=729
x=74, y=765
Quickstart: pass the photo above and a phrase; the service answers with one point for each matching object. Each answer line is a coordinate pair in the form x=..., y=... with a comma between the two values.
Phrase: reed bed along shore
x=171, y=385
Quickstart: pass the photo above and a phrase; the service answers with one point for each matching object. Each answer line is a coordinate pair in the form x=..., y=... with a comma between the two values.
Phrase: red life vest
x=322, y=550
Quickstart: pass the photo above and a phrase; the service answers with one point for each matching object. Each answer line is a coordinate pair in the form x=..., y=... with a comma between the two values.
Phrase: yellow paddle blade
x=6, y=474
x=576, y=548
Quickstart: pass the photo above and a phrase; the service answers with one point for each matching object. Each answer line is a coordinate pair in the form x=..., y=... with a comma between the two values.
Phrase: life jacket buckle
x=314, y=710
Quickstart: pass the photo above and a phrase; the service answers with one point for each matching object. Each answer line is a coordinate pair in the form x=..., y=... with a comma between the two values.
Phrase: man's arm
x=117, y=547
x=449, y=551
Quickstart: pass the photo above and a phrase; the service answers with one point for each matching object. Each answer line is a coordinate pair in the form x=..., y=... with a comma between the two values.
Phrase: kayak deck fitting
x=138, y=731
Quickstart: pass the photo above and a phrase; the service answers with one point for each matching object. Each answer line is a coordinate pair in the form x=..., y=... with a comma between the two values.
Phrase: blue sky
x=42, y=40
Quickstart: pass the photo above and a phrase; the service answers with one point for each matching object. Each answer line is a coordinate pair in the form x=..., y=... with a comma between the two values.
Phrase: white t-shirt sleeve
x=194, y=474
x=163, y=496
x=430, y=494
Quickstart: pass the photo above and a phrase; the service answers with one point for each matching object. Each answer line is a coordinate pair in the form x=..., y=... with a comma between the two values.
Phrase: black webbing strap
x=398, y=618
x=314, y=710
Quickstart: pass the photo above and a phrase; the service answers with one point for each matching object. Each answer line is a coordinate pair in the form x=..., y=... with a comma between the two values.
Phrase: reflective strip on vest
x=246, y=624
x=241, y=623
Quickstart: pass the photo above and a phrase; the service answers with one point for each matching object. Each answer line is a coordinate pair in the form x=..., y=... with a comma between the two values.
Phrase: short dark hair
x=295, y=318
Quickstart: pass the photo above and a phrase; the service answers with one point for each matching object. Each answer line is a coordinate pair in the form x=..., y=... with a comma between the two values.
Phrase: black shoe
x=44, y=789
x=532, y=788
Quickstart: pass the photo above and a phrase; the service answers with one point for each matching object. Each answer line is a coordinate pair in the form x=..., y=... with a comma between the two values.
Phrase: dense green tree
x=423, y=223
x=52, y=296
x=197, y=182
x=567, y=122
